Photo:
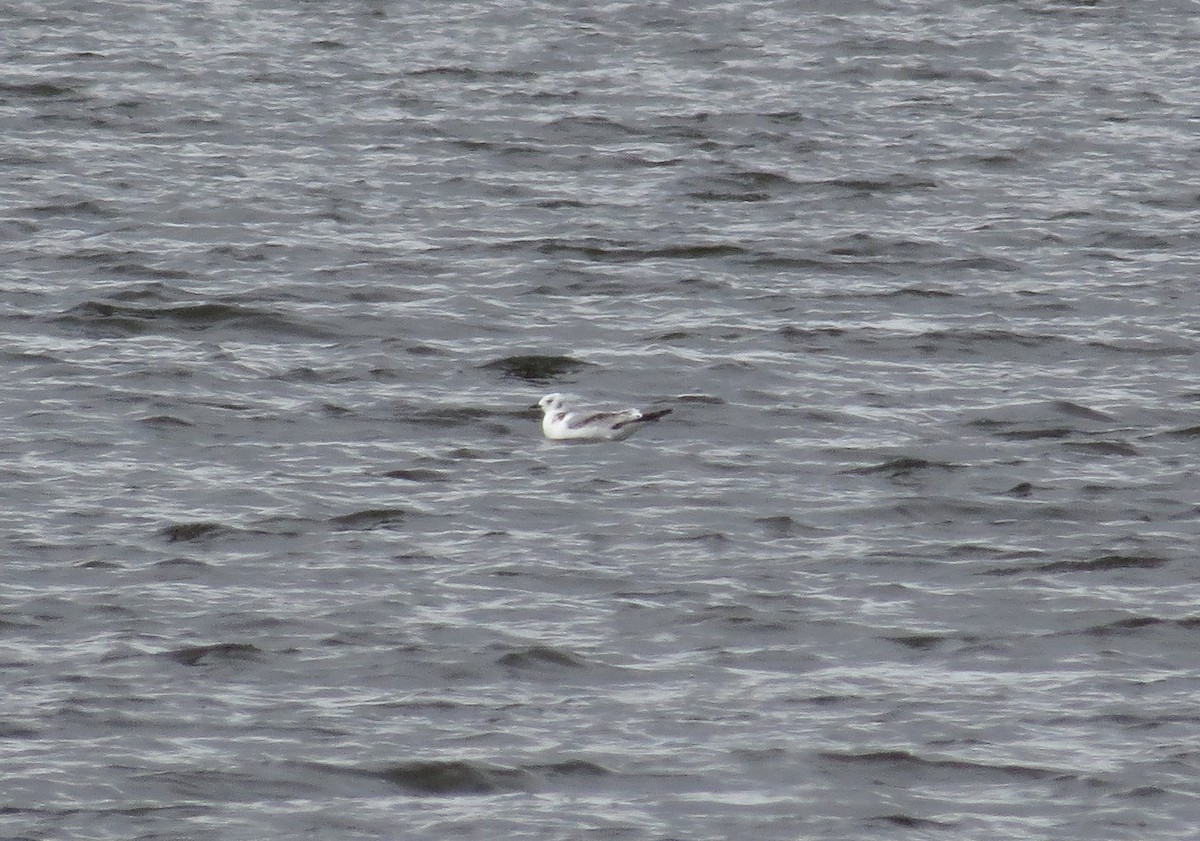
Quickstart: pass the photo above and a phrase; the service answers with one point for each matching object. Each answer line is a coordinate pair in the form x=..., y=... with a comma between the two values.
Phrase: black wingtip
x=655, y=415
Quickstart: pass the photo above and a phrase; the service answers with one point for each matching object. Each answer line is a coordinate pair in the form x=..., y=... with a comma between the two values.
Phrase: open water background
x=285, y=556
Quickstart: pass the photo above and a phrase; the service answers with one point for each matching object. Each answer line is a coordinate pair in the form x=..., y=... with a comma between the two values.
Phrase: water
x=285, y=555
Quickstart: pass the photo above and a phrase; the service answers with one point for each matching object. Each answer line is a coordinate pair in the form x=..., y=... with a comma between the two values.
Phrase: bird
x=560, y=423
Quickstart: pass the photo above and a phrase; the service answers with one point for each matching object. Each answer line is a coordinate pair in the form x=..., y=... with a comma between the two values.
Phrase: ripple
x=900, y=467
x=166, y=422
x=909, y=822
x=108, y=318
x=196, y=532
x=449, y=778
x=1103, y=448
x=224, y=653
x=418, y=474
x=541, y=657
x=1137, y=624
x=370, y=518
x=1103, y=563
x=1183, y=432
x=536, y=368
x=782, y=525
x=904, y=762
x=617, y=252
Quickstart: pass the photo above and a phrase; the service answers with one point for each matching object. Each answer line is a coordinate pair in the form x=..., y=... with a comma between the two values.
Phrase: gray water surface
x=284, y=554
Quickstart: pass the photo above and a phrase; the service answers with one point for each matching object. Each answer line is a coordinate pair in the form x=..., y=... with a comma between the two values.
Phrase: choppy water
x=284, y=555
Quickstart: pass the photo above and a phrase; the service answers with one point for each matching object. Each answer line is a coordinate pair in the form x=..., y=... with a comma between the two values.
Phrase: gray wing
x=613, y=419
x=642, y=417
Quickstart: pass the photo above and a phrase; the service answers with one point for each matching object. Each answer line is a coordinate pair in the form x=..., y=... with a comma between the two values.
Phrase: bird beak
x=536, y=406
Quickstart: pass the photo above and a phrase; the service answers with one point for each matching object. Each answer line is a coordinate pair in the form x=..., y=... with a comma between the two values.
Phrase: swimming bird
x=559, y=423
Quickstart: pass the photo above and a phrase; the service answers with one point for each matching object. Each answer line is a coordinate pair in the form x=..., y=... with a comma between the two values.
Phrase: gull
x=561, y=424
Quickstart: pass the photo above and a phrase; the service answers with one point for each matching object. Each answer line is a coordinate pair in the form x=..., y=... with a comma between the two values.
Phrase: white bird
x=559, y=423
